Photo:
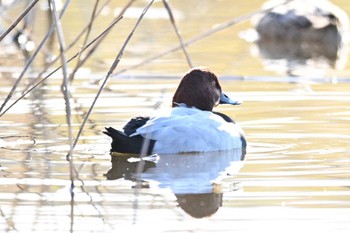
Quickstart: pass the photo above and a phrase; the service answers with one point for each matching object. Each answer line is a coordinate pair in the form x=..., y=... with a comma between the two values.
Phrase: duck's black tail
x=122, y=143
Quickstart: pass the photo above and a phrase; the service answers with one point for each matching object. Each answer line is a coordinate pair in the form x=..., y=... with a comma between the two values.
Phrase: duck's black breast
x=229, y=119
x=225, y=117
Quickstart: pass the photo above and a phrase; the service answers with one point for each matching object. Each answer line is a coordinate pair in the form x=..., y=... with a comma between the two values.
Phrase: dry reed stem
x=172, y=20
x=14, y=24
x=48, y=65
x=92, y=19
x=110, y=71
x=92, y=50
x=54, y=71
x=30, y=61
x=210, y=32
x=66, y=92
x=66, y=84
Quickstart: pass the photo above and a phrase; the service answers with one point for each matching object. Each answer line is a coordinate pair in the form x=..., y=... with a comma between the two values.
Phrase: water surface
x=295, y=175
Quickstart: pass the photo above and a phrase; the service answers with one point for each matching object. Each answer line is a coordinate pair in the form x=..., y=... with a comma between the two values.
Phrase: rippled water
x=294, y=176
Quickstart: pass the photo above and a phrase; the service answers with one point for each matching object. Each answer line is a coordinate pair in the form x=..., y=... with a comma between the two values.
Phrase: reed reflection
x=194, y=178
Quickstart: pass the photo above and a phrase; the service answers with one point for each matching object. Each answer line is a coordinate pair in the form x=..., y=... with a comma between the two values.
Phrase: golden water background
x=296, y=175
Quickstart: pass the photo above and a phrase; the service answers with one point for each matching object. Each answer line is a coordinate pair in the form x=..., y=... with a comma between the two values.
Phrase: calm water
x=294, y=177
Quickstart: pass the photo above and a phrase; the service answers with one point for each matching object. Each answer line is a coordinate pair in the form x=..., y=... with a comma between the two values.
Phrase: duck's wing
x=134, y=124
x=190, y=130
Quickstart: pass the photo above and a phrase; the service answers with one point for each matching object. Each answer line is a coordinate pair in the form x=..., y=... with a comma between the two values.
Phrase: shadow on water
x=194, y=178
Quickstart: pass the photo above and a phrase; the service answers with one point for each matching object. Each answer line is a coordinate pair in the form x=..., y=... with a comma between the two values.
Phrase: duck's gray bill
x=224, y=99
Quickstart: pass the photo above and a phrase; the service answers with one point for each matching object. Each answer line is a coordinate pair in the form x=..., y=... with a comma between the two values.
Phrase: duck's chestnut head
x=200, y=88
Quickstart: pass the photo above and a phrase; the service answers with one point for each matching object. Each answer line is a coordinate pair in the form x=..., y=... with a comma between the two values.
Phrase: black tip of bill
x=224, y=99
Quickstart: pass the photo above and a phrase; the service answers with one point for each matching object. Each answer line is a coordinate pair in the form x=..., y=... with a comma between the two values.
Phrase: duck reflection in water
x=194, y=178
x=302, y=34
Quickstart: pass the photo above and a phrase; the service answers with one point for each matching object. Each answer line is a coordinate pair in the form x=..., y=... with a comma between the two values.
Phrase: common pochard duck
x=189, y=126
x=303, y=33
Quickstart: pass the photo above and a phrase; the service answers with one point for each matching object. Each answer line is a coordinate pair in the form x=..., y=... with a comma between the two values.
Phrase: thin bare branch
x=172, y=20
x=48, y=65
x=92, y=19
x=66, y=92
x=25, y=12
x=210, y=32
x=66, y=85
x=110, y=71
x=30, y=61
x=88, y=55
x=54, y=71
